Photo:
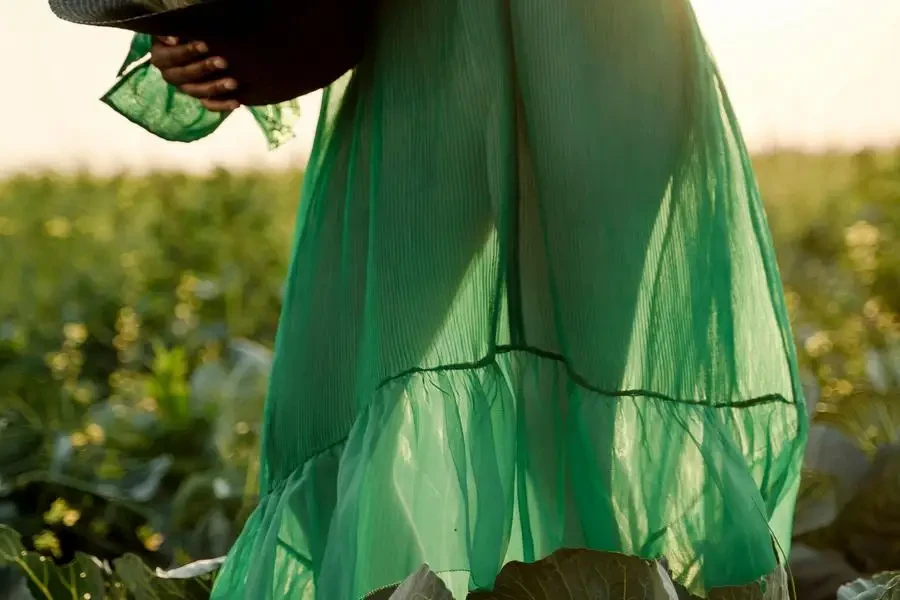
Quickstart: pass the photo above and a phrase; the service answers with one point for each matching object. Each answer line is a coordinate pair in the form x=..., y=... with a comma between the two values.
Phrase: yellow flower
x=58, y=227
x=843, y=387
x=153, y=542
x=186, y=287
x=71, y=517
x=75, y=332
x=872, y=308
x=861, y=234
x=148, y=404
x=95, y=433
x=57, y=361
x=818, y=344
x=183, y=311
x=46, y=541
x=57, y=511
x=83, y=394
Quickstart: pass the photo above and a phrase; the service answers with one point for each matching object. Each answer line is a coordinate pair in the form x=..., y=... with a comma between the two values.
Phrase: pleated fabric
x=533, y=304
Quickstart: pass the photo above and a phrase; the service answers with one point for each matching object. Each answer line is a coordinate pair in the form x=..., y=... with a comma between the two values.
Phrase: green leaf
x=248, y=352
x=869, y=525
x=207, y=383
x=832, y=452
x=20, y=444
x=145, y=584
x=422, y=585
x=885, y=586
x=13, y=585
x=83, y=578
x=142, y=485
x=773, y=587
x=582, y=575
x=834, y=467
x=818, y=574
x=88, y=578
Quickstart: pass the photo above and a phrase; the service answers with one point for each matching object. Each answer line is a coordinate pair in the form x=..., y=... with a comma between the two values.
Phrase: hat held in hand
x=277, y=50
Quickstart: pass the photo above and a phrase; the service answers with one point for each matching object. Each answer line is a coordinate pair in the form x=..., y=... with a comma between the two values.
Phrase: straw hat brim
x=133, y=16
x=277, y=50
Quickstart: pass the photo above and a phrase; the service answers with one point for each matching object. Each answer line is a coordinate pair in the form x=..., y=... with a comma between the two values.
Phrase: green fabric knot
x=142, y=96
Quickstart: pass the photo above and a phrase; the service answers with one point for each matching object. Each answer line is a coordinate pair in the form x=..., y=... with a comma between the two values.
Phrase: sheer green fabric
x=533, y=304
x=142, y=96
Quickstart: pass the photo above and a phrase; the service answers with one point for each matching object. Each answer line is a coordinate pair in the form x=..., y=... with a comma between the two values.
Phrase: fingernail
x=230, y=84
x=219, y=63
x=170, y=40
x=201, y=48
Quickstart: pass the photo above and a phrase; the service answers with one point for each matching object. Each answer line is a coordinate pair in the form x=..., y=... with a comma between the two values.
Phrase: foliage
x=87, y=577
x=136, y=313
x=841, y=265
x=840, y=259
x=130, y=393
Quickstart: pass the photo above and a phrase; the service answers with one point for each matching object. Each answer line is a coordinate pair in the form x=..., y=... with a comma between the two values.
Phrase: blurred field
x=137, y=314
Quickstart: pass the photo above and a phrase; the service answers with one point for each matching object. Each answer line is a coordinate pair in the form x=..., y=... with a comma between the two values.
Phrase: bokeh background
x=140, y=285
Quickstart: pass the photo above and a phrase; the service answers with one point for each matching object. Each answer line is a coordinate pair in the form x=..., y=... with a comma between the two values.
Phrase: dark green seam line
x=303, y=560
x=576, y=378
x=579, y=379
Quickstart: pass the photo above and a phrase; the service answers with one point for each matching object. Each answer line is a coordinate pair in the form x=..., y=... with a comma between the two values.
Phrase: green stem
x=34, y=578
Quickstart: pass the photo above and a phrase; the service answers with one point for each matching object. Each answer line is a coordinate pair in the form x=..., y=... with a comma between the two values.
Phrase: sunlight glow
x=800, y=72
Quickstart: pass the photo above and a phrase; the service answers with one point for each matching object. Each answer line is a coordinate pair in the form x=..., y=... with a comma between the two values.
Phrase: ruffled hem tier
x=466, y=469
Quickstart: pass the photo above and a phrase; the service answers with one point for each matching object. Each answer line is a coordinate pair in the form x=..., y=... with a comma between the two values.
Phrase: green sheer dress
x=533, y=304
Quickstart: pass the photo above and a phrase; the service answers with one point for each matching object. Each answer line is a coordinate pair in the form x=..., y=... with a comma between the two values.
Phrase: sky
x=803, y=73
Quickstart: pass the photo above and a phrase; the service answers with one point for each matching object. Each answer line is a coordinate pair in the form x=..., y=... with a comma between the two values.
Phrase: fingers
x=167, y=53
x=195, y=71
x=187, y=67
x=211, y=94
x=210, y=89
x=220, y=105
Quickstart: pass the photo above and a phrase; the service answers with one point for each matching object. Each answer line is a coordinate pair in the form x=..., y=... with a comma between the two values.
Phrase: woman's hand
x=189, y=68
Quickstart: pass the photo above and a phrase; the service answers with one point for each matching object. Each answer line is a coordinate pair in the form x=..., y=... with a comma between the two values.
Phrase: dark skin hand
x=189, y=67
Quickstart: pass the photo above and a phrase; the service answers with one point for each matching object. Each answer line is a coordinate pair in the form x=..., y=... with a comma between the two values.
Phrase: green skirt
x=533, y=305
